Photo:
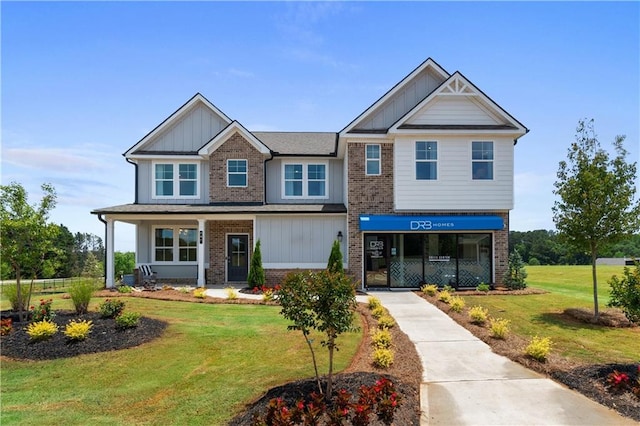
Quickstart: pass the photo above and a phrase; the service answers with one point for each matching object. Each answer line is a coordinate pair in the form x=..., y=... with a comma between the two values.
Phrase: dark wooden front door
x=237, y=257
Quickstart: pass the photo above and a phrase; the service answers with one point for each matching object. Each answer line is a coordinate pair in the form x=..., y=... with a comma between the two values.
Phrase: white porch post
x=109, y=281
x=201, y=258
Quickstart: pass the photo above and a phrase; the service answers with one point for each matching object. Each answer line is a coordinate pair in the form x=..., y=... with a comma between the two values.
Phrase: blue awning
x=430, y=223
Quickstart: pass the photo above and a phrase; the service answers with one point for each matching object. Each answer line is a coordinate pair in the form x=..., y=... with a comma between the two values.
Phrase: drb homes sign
x=430, y=223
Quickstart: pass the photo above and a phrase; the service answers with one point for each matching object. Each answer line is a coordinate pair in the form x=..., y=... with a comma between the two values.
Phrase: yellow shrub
x=444, y=296
x=429, y=289
x=386, y=321
x=539, y=348
x=41, y=330
x=382, y=358
x=381, y=339
x=200, y=293
x=499, y=327
x=78, y=330
x=478, y=314
x=456, y=303
x=232, y=294
x=378, y=311
x=374, y=302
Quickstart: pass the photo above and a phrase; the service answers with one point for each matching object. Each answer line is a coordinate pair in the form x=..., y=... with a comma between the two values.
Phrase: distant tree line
x=68, y=258
x=542, y=247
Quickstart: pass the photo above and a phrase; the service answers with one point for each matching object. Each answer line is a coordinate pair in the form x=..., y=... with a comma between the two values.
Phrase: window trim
x=176, y=180
x=175, y=229
x=367, y=159
x=416, y=160
x=245, y=173
x=490, y=161
x=305, y=180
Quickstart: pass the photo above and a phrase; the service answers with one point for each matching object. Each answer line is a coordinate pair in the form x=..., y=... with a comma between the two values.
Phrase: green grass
x=211, y=361
x=568, y=287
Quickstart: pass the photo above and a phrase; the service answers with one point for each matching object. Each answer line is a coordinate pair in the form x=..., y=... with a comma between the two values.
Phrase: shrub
x=124, y=289
x=184, y=289
x=81, y=292
x=6, y=325
x=378, y=311
x=199, y=293
x=43, y=311
x=382, y=358
x=429, y=289
x=78, y=330
x=625, y=293
x=514, y=278
x=41, y=330
x=444, y=296
x=334, y=264
x=533, y=261
x=499, y=327
x=539, y=348
x=381, y=339
x=386, y=321
x=256, y=275
x=478, y=314
x=10, y=291
x=232, y=294
x=483, y=287
x=617, y=381
x=374, y=302
x=111, y=308
x=456, y=303
x=127, y=320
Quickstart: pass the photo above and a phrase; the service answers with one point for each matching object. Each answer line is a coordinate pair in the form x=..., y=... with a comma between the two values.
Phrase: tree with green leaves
x=321, y=301
x=26, y=238
x=516, y=273
x=256, y=277
x=597, y=203
x=335, y=258
x=124, y=263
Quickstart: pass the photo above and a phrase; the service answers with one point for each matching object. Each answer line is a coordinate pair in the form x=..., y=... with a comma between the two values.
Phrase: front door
x=376, y=260
x=237, y=257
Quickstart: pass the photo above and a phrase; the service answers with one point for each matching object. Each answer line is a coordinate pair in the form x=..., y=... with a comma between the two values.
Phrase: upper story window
x=426, y=160
x=482, y=160
x=237, y=173
x=372, y=154
x=304, y=180
x=175, y=244
x=175, y=180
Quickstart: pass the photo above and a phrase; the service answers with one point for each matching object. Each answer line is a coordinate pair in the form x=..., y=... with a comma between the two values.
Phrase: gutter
x=264, y=177
x=104, y=261
x=135, y=199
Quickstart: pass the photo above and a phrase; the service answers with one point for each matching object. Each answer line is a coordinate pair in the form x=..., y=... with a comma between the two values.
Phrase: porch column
x=201, y=258
x=109, y=281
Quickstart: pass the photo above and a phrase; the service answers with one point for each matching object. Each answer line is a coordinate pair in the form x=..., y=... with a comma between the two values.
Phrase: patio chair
x=149, y=278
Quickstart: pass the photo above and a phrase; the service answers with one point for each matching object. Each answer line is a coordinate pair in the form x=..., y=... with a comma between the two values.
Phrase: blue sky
x=84, y=81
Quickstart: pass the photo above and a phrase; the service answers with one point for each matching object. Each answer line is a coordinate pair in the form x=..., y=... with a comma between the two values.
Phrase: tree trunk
x=594, y=254
x=313, y=357
x=330, y=375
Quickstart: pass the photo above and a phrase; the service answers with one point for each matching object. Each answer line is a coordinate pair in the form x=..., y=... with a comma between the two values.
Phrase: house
x=417, y=188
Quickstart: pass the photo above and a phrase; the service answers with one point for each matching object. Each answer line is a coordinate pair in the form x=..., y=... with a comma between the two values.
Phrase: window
x=372, y=157
x=236, y=172
x=305, y=180
x=175, y=244
x=482, y=160
x=426, y=160
x=167, y=186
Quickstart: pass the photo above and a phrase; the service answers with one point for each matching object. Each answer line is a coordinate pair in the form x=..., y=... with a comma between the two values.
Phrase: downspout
x=135, y=199
x=264, y=177
x=104, y=261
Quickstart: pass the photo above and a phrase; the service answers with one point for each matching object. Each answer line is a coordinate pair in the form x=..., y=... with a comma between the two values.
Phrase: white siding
x=335, y=184
x=454, y=190
x=190, y=133
x=453, y=110
x=298, y=240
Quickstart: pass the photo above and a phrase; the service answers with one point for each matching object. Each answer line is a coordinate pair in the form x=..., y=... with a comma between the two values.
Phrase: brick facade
x=218, y=231
x=236, y=148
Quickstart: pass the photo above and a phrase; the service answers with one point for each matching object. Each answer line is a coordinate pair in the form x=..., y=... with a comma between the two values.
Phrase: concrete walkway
x=465, y=383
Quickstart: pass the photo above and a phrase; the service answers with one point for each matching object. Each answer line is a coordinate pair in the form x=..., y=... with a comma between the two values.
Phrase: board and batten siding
x=190, y=133
x=453, y=110
x=146, y=183
x=454, y=189
x=291, y=241
x=335, y=186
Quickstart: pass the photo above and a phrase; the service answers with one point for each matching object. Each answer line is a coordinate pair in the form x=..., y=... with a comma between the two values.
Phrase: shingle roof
x=299, y=143
x=220, y=209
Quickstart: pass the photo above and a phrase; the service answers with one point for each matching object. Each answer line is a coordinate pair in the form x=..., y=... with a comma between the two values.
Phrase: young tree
x=335, y=258
x=26, y=237
x=256, y=276
x=515, y=276
x=596, y=205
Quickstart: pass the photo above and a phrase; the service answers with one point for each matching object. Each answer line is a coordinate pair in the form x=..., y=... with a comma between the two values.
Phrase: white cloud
x=52, y=159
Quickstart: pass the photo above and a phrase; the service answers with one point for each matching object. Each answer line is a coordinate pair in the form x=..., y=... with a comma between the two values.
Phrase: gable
x=401, y=99
x=458, y=105
x=235, y=127
x=185, y=131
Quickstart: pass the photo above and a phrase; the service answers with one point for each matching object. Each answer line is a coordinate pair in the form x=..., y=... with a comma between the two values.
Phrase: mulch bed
x=589, y=380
